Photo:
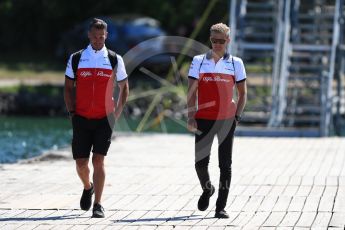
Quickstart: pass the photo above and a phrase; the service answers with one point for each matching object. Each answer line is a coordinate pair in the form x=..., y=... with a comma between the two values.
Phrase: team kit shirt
x=95, y=82
x=216, y=83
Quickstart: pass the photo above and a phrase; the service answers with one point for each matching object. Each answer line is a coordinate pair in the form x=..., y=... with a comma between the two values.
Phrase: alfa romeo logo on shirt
x=102, y=74
x=85, y=74
x=215, y=79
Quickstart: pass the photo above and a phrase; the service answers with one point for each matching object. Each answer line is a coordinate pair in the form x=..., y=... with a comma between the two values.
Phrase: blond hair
x=220, y=28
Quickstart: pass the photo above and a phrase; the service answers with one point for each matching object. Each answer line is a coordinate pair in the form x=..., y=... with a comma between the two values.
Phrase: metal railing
x=289, y=39
x=328, y=94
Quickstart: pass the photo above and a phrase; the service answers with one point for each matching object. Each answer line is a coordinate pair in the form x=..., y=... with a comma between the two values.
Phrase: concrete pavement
x=278, y=183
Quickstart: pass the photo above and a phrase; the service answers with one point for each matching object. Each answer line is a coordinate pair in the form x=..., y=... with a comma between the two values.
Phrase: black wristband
x=71, y=113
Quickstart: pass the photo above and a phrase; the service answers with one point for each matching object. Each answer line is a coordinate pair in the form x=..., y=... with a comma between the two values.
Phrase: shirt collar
x=97, y=53
x=209, y=55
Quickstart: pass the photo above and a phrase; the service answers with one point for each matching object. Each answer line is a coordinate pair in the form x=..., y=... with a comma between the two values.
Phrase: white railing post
x=327, y=108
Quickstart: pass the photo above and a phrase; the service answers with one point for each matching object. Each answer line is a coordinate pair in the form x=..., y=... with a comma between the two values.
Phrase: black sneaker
x=205, y=198
x=98, y=211
x=221, y=214
x=86, y=199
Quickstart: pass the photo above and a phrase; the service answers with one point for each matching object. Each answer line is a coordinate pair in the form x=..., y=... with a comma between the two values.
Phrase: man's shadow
x=166, y=219
x=75, y=216
x=64, y=217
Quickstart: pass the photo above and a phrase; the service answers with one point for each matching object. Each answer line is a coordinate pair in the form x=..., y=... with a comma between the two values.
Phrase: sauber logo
x=102, y=74
x=216, y=78
x=85, y=73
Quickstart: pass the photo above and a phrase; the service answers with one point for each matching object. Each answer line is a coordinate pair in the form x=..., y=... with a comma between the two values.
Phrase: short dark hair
x=98, y=24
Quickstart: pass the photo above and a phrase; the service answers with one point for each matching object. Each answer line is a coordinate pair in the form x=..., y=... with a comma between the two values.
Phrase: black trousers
x=207, y=129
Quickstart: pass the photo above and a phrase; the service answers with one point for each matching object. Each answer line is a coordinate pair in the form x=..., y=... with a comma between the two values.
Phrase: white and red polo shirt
x=216, y=83
x=95, y=82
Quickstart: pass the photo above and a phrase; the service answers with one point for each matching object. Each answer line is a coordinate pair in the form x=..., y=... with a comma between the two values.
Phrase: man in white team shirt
x=212, y=111
x=89, y=87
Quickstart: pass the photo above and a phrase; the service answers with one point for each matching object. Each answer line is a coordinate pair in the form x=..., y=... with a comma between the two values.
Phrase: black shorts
x=92, y=134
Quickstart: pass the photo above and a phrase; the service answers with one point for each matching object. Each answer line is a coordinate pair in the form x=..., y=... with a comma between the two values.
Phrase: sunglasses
x=218, y=41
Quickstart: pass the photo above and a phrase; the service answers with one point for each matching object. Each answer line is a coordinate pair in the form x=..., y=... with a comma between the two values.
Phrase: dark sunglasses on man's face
x=218, y=41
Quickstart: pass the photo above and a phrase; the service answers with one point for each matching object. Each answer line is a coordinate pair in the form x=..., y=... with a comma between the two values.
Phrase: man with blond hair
x=212, y=111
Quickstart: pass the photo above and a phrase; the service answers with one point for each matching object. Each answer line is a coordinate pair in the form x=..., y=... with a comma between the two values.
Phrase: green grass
x=23, y=72
x=30, y=74
x=31, y=67
x=10, y=89
x=46, y=90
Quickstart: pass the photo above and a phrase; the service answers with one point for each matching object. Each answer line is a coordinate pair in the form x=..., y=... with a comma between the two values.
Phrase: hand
x=192, y=125
x=117, y=114
x=71, y=115
x=237, y=119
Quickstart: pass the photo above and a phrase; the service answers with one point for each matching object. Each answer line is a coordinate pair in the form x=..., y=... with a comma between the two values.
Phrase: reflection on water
x=25, y=137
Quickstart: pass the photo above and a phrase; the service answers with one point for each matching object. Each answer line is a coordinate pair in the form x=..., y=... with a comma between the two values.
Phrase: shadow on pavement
x=167, y=219
x=65, y=217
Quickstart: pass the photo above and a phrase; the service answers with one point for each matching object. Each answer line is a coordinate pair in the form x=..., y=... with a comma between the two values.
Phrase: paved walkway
x=278, y=183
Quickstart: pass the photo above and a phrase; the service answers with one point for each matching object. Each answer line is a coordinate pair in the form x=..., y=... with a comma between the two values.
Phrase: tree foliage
x=36, y=25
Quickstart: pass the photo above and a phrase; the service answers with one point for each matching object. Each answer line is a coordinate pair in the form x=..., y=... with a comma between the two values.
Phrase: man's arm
x=123, y=96
x=69, y=95
x=191, y=103
x=242, y=97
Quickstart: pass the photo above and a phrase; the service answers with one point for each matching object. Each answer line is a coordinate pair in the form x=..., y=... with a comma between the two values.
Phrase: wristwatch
x=238, y=118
